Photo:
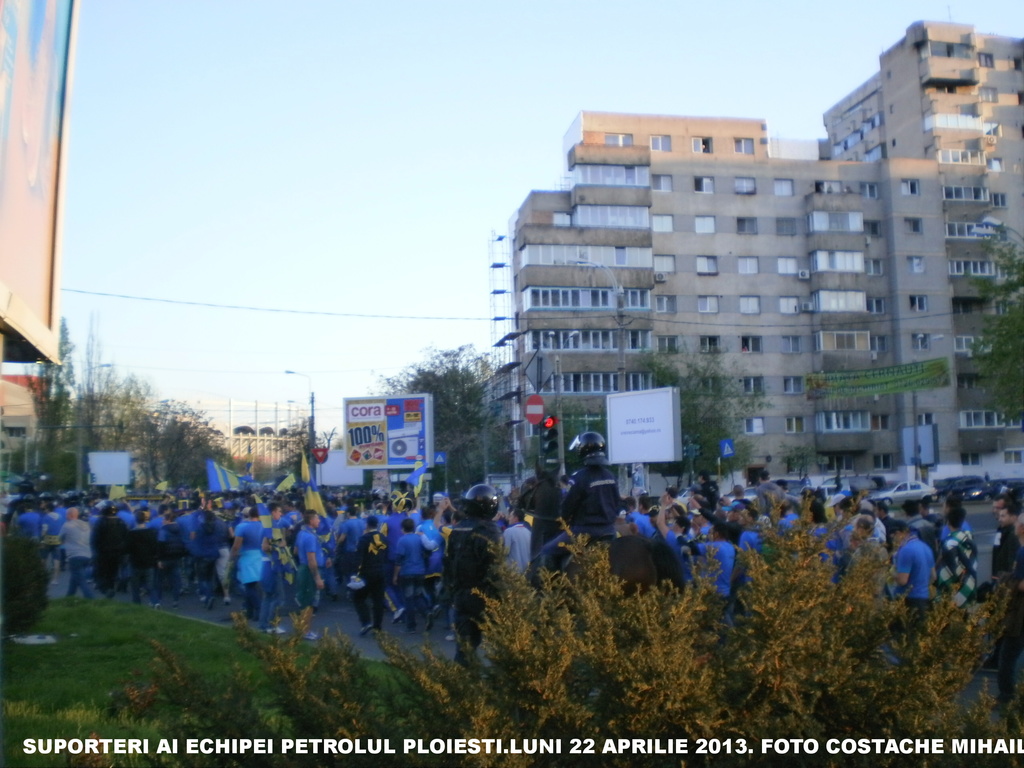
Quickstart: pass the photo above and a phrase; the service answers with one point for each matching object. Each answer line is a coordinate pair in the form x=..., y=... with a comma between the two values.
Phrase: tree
x=52, y=390
x=1000, y=351
x=712, y=402
x=464, y=425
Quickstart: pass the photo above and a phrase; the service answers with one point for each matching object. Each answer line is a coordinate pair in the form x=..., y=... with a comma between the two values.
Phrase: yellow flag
x=161, y=486
x=117, y=492
x=287, y=483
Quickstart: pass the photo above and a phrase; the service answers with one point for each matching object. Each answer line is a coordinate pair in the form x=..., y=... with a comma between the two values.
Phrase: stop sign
x=534, y=409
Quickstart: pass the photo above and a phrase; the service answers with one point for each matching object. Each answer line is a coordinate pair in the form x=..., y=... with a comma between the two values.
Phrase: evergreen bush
x=25, y=584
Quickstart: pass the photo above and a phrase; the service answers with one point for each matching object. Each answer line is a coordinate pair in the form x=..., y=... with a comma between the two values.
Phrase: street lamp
x=312, y=408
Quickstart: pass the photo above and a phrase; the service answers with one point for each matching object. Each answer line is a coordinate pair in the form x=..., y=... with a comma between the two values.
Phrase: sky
x=336, y=172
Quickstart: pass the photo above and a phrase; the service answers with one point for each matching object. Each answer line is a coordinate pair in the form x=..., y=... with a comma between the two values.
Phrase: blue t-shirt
x=724, y=553
x=916, y=559
x=409, y=555
x=643, y=523
x=251, y=533
x=307, y=541
x=51, y=524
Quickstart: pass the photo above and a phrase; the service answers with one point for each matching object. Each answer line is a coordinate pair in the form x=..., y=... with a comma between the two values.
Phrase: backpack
x=173, y=544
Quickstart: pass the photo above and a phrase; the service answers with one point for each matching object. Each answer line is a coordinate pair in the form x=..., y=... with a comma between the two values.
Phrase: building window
x=783, y=187
x=618, y=139
x=882, y=462
x=789, y=305
x=1013, y=457
x=664, y=262
x=910, y=187
x=750, y=344
x=986, y=60
x=970, y=459
x=879, y=422
x=743, y=146
x=840, y=301
x=614, y=216
x=612, y=175
x=791, y=345
x=915, y=265
x=668, y=343
x=963, y=344
x=745, y=185
x=747, y=265
x=707, y=265
x=872, y=228
x=925, y=419
x=754, y=426
x=665, y=304
x=703, y=145
x=746, y=225
x=998, y=199
x=710, y=343
x=753, y=385
x=560, y=219
x=750, y=305
x=974, y=268
x=704, y=225
x=838, y=462
x=785, y=225
x=967, y=194
x=661, y=182
x=874, y=267
x=794, y=425
x=788, y=265
x=918, y=302
x=876, y=306
x=920, y=342
x=704, y=184
x=837, y=261
x=793, y=385
x=661, y=222
x=995, y=164
x=828, y=187
x=843, y=341
x=707, y=304
x=968, y=381
x=879, y=343
x=661, y=143
x=990, y=95
x=913, y=225
x=843, y=421
x=835, y=221
x=980, y=419
x=869, y=189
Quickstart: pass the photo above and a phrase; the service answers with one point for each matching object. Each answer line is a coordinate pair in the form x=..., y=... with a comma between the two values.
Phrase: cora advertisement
x=389, y=432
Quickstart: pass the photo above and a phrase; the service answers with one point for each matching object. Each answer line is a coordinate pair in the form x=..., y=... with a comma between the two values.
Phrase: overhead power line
x=213, y=305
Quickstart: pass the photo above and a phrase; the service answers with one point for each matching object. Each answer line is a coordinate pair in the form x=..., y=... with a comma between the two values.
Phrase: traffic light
x=549, y=440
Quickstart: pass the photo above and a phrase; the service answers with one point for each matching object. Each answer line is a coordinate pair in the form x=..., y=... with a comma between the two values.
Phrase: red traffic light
x=549, y=422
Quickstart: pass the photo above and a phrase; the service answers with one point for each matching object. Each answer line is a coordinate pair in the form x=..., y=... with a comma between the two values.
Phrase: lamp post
x=312, y=408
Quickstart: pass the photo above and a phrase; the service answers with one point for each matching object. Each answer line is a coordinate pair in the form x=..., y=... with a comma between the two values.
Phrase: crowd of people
x=390, y=554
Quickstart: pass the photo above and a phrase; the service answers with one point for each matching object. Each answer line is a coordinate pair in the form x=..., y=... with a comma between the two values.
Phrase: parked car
x=1014, y=485
x=957, y=485
x=897, y=493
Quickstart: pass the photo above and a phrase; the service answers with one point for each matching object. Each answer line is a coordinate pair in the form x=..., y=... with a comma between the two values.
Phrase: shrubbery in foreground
x=808, y=659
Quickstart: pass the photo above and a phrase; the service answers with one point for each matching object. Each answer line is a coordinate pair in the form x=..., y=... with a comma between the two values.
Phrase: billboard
x=110, y=468
x=36, y=48
x=644, y=426
x=389, y=432
x=891, y=380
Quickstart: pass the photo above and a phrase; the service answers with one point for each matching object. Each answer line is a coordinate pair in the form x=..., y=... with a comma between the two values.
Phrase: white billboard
x=335, y=471
x=644, y=426
x=110, y=468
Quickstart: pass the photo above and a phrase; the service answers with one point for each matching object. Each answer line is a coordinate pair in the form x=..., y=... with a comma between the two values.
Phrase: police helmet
x=590, y=447
x=481, y=501
x=401, y=501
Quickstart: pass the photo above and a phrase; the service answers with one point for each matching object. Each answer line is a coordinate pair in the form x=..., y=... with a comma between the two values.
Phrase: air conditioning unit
x=660, y=277
x=990, y=141
x=874, y=357
x=803, y=274
x=806, y=306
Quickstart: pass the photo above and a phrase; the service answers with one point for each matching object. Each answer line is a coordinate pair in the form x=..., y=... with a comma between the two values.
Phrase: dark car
x=958, y=486
x=1014, y=485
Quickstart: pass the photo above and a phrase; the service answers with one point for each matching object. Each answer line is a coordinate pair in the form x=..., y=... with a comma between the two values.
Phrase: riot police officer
x=469, y=565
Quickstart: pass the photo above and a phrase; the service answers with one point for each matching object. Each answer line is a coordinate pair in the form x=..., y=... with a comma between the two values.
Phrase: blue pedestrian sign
x=726, y=449
x=441, y=457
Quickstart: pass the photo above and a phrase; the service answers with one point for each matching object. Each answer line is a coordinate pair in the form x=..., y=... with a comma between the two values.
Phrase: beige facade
x=791, y=257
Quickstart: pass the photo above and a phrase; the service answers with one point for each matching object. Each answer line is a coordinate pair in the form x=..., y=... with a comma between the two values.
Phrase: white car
x=905, y=491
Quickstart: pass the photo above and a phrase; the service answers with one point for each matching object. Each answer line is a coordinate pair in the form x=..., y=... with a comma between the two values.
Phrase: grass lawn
x=65, y=690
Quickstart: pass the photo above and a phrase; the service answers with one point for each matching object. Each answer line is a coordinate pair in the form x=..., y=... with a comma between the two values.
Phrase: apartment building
x=794, y=258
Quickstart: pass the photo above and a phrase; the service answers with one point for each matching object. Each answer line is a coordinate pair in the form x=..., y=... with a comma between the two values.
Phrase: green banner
x=911, y=377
